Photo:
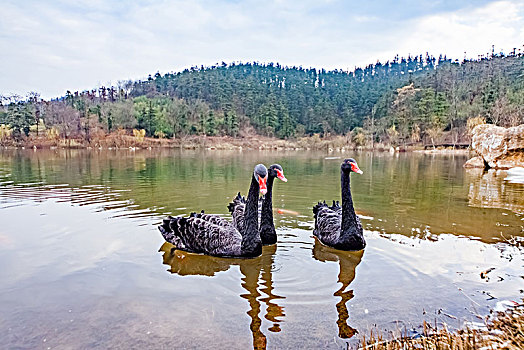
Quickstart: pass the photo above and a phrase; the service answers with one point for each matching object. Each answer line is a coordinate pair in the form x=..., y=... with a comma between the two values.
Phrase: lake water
x=84, y=266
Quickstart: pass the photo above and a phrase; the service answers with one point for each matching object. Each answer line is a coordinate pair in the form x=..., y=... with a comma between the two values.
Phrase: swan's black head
x=260, y=174
x=350, y=165
x=276, y=170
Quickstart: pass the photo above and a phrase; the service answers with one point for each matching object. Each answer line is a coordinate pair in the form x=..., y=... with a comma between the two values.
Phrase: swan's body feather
x=196, y=235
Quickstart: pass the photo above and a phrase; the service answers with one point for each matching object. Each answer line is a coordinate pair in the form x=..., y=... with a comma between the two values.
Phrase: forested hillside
x=406, y=100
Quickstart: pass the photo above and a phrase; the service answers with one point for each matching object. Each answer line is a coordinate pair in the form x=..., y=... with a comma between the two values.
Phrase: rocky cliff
x=497, y=147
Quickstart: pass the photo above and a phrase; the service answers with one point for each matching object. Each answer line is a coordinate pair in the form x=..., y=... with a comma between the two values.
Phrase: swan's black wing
x=237, y=207
x=214, y=219
x=328, y=221
x=196, y=235
x=336, y=206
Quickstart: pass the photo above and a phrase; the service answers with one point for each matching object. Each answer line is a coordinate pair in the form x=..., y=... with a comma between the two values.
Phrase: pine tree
x=211, y=124
x=20, y=118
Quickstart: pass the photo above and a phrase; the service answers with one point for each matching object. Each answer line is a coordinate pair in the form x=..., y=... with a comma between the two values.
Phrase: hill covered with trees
x=403, y=101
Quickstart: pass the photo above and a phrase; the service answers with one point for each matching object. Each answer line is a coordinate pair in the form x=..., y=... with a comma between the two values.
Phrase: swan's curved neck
x=268, y=233
x=251, y=243
x=349, y=218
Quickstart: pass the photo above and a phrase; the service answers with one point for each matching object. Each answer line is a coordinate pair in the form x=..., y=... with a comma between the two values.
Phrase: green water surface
x=83, y=265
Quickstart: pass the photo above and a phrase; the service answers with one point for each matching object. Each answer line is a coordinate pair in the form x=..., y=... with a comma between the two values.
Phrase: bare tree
x=65, y=118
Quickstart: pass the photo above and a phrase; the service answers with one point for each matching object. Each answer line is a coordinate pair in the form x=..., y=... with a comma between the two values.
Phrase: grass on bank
x=504, y=330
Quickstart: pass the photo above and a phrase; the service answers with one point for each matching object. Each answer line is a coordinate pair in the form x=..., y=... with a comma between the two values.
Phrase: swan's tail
x=236, y=201
x=171, y=229
x=166, y=229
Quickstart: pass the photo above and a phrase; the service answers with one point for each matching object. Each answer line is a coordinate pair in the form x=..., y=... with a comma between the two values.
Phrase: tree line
x=405, y=100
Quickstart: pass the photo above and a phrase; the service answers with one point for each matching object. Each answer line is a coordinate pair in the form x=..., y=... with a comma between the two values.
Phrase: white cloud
x=468, y=30
x=52, y=48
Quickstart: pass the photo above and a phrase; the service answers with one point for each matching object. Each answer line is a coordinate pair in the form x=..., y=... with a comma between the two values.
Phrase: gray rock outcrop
x=499, y=148
x=475, y=162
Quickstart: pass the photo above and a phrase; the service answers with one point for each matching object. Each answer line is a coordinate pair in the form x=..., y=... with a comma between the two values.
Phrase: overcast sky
x=54, y=46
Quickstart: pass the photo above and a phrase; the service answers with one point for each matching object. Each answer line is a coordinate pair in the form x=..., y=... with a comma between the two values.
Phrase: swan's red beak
x=355, y=168
x=280, y=175
x=262, y=184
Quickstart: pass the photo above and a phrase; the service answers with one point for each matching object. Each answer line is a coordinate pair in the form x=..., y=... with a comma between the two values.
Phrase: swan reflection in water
x=256, y=272
x=347, y=262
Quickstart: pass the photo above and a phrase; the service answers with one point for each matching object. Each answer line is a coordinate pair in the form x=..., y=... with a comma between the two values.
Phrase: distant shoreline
x=252, y=142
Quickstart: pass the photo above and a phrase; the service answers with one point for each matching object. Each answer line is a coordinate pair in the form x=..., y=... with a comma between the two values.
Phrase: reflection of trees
x=487, y=189
x=256, y=271
x=347, y=262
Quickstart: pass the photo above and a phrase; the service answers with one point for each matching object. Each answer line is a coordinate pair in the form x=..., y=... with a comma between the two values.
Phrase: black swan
x=340, y=227
x=267, y=231
x=197, y=235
